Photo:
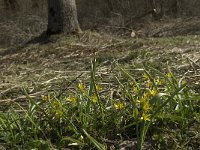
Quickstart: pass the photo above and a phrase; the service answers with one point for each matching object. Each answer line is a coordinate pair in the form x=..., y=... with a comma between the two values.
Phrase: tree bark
x=11, y=4
x=62, y=17
x=155, y=7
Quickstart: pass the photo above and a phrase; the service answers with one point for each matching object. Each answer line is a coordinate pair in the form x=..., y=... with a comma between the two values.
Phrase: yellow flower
x=98, y=87
x=145, y=76
x=94, y=98
x=169, y=75
x=183, y=82
x=135, y=89
x=146, y=107
x=58, y=114
x=158, y=81
x=153, y=92
x=55, y=104
x=81, y=86
x=118, y=105
x=142, y=100
x=146, y=95
x=71, y=99
x=145, y=117
x=46, y=97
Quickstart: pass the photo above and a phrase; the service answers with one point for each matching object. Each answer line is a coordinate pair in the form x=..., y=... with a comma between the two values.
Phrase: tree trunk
x=155, y=7
x=11, y=4
x=62, y=17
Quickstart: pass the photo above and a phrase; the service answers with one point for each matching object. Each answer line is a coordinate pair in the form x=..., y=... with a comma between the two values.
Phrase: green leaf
x=72, y=140
x=98, y=145
x=135, y=113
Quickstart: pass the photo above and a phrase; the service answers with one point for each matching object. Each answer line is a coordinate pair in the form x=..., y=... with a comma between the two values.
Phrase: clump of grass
x=90, y=114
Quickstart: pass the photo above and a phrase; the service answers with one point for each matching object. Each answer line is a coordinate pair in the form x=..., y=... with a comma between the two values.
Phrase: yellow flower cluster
x=145, y=76
x=169, y=75
x=153, y=92
x=94, y=98
x=46, y=97
x=57, y=109
x=145, y=106
x=55, y=104
x=146, y=117
x=58, y=114
x=71, y=99
x=118, y=105
x=135, y=90
x=98, y=87
x=158, y=81
x=81, y=86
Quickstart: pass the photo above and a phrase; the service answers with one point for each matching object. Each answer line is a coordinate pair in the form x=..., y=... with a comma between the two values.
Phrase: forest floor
x=43, y=65
x=57, y=57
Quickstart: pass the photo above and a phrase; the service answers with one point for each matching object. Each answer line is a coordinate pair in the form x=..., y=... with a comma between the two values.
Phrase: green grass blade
x=98, y=145
x=72, y=140
x=128, y=76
